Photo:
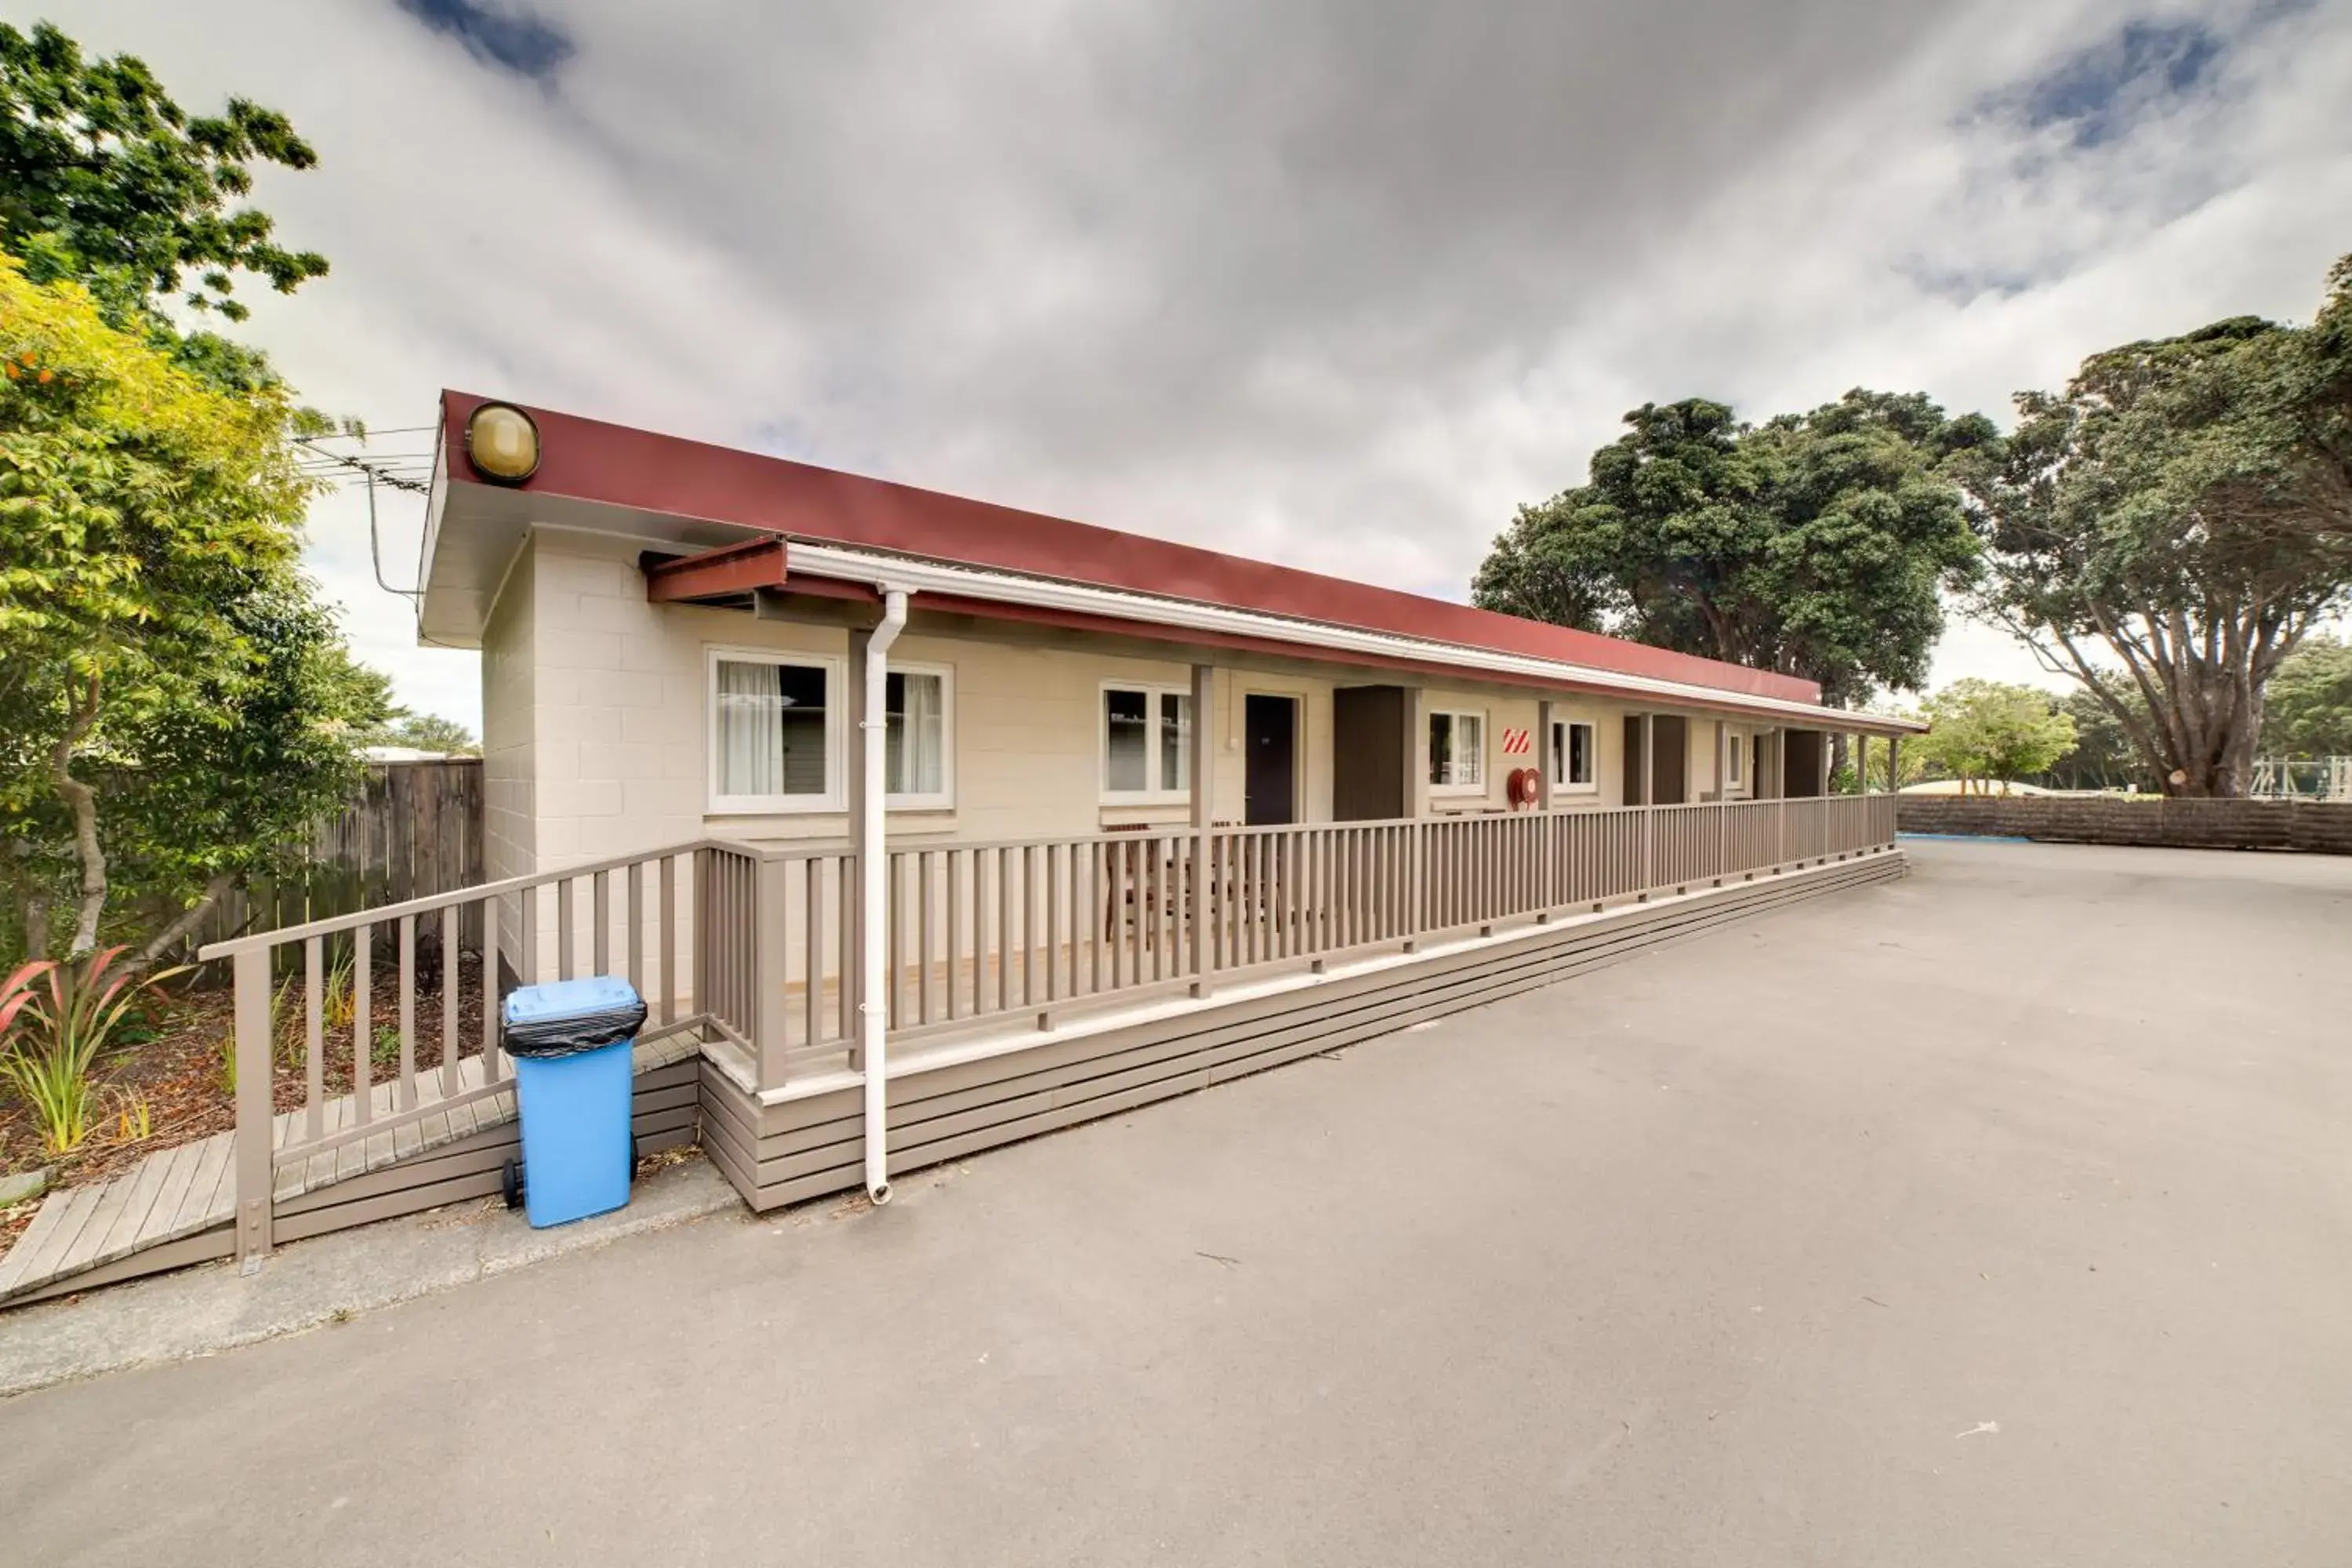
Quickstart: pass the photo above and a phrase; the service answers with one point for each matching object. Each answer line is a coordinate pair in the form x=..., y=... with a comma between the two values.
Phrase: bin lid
x=585, y=997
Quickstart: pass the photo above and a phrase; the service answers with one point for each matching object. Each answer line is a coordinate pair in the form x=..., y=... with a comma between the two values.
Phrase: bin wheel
x=510, y=1183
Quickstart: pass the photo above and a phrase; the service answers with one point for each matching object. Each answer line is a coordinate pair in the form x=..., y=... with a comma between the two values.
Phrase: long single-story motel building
x=1050, y=819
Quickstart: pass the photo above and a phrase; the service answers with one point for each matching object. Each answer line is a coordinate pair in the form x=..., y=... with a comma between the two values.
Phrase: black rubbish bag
x=568, y=1017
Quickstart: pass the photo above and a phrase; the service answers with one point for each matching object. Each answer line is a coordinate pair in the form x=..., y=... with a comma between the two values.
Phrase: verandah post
x=1202, y=895
x=1893, y=785
x=1780, y=798
x=250, y=972
x=1648, y=804
x=1416, y=801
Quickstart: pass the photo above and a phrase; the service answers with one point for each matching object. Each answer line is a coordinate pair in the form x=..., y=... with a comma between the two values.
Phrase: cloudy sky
x=1336, y=284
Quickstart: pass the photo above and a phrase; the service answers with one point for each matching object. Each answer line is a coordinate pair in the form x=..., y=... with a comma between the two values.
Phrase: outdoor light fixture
x=503, y=443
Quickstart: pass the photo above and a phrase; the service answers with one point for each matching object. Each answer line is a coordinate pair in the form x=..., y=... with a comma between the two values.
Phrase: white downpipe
x=873, y=1009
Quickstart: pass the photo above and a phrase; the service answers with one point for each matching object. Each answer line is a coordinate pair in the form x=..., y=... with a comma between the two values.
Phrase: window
x=773, y=732
x=1458, y=754
x=919, y=724
x=1735, y=756
x=1574, y=765
x=1147, y=744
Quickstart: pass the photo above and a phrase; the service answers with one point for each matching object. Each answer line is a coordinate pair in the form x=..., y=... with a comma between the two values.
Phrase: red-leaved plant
x=55, y=1019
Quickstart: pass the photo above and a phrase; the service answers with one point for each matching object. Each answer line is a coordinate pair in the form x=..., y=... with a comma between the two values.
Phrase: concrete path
x=326, y=1280
x=1998, y=1215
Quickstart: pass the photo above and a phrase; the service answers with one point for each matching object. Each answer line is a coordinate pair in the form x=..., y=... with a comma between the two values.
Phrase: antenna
x=372, y=473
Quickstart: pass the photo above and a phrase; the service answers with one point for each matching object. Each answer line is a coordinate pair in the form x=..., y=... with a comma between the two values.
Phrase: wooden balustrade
x=758, y=947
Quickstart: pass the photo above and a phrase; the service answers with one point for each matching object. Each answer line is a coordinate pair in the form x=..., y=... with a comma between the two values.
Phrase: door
x=1270, y=773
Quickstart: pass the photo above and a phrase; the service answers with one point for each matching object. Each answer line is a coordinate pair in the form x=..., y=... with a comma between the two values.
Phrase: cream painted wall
x=596, y=720
x=510, y=768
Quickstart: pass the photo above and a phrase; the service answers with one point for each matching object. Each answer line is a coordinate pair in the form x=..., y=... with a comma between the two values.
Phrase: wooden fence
x=414, y=829
x=2311, y=826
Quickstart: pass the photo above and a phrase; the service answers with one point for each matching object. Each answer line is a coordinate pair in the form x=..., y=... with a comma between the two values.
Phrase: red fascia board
x=725, y=573
x=591, y=461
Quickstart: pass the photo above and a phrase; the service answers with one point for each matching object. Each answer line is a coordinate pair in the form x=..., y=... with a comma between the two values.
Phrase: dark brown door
x=1670, y=760
x=1270, y=775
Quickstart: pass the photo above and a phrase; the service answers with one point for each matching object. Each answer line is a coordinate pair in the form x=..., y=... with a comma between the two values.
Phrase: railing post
x=253, y=1130
x=770, y=1008
x=1649, y=849
x=1416, y=914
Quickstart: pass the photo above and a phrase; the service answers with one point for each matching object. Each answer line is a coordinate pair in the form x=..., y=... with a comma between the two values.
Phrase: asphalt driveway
x=2000, y=1216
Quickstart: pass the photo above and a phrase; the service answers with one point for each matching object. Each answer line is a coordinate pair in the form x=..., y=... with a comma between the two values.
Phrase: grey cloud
x=1337, y=284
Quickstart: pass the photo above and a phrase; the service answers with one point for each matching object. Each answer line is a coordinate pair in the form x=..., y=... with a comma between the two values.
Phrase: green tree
x=2171, y=527
x=2104, y=756
x=2309, y=710
x=107, y=181
x=1814, y=544
x=166, y=685
x=427, y=732
x=1987, y=729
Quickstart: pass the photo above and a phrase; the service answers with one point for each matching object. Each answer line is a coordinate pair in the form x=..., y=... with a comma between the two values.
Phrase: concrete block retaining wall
x=2309, y=826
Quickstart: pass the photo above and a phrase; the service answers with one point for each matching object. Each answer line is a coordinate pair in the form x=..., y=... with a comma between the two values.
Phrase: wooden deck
x=173, y=1207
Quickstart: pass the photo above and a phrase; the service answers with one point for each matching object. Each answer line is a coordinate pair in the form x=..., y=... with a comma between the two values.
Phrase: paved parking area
x=2000, y=1216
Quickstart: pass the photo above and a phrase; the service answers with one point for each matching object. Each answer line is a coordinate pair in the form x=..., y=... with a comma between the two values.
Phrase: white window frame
x=1555, y=747
x=1735, y=758
x=836, y=729
x=945, y=799
x=1157, y=693
x=1429, y=740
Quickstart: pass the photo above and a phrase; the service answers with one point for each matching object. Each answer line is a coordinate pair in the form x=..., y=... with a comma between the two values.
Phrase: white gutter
x=1041, y=593
x=873, y=1009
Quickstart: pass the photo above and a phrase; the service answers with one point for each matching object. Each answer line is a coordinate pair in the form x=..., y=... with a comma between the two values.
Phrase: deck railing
x=756, y=947
x=309, y=1036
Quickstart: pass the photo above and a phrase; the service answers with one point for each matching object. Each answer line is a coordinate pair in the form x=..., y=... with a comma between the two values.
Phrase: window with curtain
x=1572, y=764
x=1735, y=757
x=769, y=730
x=1458, y=753
x=1147, y=744
x=915, y=736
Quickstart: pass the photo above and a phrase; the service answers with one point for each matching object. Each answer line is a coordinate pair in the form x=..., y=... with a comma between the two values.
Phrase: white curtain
x=918, y=736
x=751, y=729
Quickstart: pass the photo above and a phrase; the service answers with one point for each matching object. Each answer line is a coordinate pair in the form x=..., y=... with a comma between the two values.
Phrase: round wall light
x=503, y=443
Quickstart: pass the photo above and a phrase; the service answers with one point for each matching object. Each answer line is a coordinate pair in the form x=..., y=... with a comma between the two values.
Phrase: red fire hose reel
x=1522, y=788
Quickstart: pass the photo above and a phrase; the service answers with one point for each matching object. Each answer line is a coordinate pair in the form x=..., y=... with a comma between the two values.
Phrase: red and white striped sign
x=1517, y=742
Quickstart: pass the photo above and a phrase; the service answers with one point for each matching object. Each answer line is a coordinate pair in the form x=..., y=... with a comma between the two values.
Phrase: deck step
x=190, y=1188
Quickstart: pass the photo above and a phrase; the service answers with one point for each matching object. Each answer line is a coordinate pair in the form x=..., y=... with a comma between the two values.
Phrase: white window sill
x=783, y=806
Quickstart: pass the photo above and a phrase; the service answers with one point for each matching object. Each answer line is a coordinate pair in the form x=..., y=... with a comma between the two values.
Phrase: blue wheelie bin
x=570, y=1041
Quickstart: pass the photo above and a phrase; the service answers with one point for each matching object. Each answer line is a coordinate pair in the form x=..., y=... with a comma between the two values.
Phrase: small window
x=771, y=734
x=917, y=768
x=1458, y=754
x=1735, y=756
x=1573, y=766
x=1147, y=744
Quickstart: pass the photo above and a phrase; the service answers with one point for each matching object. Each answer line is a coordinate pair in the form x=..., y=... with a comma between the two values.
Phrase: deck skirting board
x=794, y=1150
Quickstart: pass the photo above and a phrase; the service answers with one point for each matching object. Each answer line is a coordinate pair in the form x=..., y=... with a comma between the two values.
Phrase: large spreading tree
x=2171, y=527
x=1815, y=544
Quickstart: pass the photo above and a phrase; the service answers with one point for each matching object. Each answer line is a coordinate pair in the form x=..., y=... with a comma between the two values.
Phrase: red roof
x=590, y=460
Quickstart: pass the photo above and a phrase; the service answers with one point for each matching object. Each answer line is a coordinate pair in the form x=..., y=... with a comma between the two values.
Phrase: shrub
x=55, y=1019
